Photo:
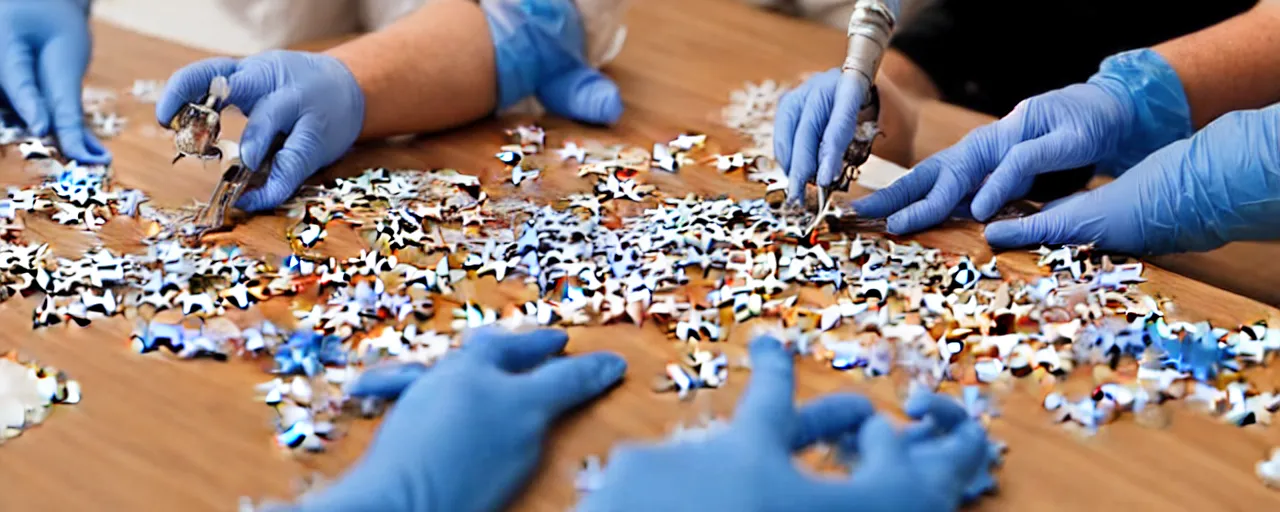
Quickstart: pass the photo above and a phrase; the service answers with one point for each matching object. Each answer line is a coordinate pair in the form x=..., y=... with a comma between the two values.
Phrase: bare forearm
x=432, y=70
x=1233, y=65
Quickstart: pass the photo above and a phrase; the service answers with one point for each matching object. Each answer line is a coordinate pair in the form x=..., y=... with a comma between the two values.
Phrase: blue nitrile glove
x=749, y=466
x=814, y=125
x=540, y=48
x=311, y=97
x=1220, y=185
x=45, y=48
x=466, y=433
x=1133, y=105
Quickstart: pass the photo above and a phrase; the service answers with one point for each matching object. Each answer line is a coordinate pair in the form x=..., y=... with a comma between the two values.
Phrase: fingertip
x=607, y=367
x=945, y=412
x=250, y=151
x=35, y=117
x=584, y=94
x=1006, y=233
x=795, y=189
x=565, y=383
x=765, y=347
x=386, y=381
x=901, y=223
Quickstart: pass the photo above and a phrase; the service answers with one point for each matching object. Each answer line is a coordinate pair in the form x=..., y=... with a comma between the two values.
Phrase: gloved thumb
x=565, y=383
x=851, y=92
x=386, y=381
x=1078, y=220
x=59, y=60
x=189, y=84
x=583, y=94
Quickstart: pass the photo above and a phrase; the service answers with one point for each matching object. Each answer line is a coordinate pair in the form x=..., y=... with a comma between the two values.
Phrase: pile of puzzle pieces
x=696, y=267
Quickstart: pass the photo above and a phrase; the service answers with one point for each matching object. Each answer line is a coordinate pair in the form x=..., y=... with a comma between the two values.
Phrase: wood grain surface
x=155, y=433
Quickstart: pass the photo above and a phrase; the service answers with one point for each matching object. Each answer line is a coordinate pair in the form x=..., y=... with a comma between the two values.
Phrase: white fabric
x=243, y=27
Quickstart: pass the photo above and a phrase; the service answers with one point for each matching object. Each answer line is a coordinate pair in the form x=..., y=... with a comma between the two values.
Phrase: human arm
x=431, y=70
x=517, y=48
x=1196, y=194
x=466, y=433
x=45, y=48
x=748, y=465
x=1234, y=65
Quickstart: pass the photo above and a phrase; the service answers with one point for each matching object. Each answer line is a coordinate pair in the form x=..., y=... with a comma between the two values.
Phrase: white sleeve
x=375, y=15
x=602, y=21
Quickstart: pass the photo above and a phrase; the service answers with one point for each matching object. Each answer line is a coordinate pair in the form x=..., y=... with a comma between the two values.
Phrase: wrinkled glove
x=45, y=48
x=749, y=466
x=1220, y=185
x=1132, y=106
x=466, y=433
x=815, y=124
x=540, y=49
x=311, y=97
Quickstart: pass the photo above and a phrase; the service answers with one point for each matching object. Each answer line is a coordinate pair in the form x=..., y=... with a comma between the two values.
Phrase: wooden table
x=154, y=433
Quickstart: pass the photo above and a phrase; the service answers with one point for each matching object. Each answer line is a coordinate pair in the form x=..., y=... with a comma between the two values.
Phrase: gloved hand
x=1220, y=185
x=814, y=125
x=311, y=97
x=1132, y=106
x=45, y=49
x=466, y=433
x=540, y=48
x=749, y=466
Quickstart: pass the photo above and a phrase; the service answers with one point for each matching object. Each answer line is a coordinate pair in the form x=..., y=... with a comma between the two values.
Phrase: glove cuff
x=1159, y=112
x=532, y=40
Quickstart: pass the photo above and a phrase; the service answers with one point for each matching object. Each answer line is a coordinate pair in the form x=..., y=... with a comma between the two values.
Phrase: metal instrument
x=236, y=180
x=870, y=27
x=197, y=125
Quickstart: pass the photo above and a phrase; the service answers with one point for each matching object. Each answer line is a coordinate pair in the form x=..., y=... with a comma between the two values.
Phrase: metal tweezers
x=236, y=180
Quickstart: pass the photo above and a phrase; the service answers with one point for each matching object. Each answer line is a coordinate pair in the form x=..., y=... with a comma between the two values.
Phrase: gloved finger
x=567, y=382
x=829, y=418
x=767, y=405
x=59, y=61
x=879, y=444
x=189, y=84
x=584, y=94
x=851, y=92
x=903, y=191
x=922, y=430
x=1051, y=152
x=1076, y=221
x=804, y=148
x=945, y=412
x=946, y=194
x=18, y=79
x=278, y=113
x=387, y=380
x=94, y=145
x=785, y=122
x=960, y=456
x=515, y=351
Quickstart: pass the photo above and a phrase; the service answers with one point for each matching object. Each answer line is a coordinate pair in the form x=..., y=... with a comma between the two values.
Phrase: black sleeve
x=987, y=55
